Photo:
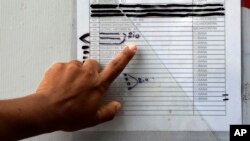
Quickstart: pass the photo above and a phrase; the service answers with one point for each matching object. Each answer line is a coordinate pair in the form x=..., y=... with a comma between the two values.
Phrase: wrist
x=25, y=117
x=36, y=115
x=43, y=113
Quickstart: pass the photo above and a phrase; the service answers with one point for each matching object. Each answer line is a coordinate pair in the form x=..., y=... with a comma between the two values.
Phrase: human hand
x=74, y=92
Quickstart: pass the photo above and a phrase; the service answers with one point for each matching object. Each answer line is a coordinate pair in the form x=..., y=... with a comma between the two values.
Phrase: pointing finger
x=117, y=65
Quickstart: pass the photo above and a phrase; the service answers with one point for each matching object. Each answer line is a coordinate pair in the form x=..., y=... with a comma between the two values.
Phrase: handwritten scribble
x=85, y=47
x=108, y=38
x=83, y=38
x=109, y=33
x=132, y=81
x=225, y=97
x=85, y=57
x=132, y=35
x=86, y=52
x=111, y=40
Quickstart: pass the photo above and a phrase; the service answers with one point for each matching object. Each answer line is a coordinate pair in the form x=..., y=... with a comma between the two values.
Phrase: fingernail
x=118, y=107
x=132, y=47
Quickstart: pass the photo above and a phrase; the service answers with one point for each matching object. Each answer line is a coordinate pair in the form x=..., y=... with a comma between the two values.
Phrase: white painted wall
x=34, y=34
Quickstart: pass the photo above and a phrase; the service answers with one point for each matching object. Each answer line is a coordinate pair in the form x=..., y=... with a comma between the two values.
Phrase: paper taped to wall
x=186, y=75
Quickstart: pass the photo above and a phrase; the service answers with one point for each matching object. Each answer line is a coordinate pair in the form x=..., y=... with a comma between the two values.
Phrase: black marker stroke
x=84, y=57
x=158, y=10
x=113, y=38
x=112, y=43
x=225, y=95
x=83, y=38
x=132, y=81
x=163, y=10
x=108, y=33
x=101, y=6
x=128, y=78
x=85, y=47
x=160, y=15
x=107, y=15
x=86, y=52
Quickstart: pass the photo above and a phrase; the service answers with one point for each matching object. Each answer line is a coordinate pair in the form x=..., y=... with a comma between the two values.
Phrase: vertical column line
x=225, y=55
x=193, y=58
x=89, y=28
x=99, y=39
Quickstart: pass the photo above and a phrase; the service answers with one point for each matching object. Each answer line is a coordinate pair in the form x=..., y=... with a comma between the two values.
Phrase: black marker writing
x=84, y=57
x=86, y=52
x=157, y=10
x=159, y=15
x=83, y=38
x=101, y=6
x=85, y=47
x=106, y=33
x=106, y=40
x=112, y=38
x=164, y=10
x=132, y=81
x=225, y=97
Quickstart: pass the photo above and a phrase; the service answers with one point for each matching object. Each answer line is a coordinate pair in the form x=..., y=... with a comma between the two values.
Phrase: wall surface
x=34, y=34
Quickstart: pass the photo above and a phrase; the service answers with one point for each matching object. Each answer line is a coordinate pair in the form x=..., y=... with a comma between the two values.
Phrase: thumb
x=108, y=111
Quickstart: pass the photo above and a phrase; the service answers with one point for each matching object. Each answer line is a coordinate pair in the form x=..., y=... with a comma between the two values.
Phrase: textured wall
x=33, y=35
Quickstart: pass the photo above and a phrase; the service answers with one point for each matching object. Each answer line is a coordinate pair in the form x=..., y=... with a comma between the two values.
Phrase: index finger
x=117, y=65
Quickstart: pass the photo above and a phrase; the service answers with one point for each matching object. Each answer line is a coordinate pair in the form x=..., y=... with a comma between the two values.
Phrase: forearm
x=23, y=117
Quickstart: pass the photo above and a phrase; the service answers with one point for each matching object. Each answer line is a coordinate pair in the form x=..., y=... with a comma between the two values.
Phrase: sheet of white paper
x=188, y=64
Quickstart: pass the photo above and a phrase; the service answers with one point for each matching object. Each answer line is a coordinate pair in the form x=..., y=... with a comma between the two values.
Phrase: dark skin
x=68, y=99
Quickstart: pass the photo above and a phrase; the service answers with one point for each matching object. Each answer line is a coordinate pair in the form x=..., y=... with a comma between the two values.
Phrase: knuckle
x=72, y=67
x=91, y=62
x=58, y=66
x=91, y=77
x=89, y=68
x=76, y=62
x=87, y=65
x=90, y=73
